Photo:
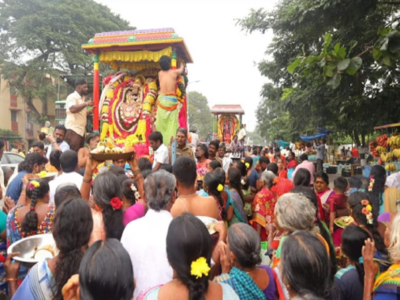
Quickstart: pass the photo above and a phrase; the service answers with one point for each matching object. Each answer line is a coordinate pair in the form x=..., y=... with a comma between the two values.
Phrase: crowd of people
x=137, y=229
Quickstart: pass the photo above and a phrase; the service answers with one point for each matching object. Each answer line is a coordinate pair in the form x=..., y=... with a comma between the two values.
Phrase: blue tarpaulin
x=281, y=143
x=322, y=133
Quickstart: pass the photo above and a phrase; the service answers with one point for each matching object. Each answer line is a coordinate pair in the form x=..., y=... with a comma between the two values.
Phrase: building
x=15, y=114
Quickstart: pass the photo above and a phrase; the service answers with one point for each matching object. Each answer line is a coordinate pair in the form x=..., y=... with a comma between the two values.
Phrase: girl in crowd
x=47, y=278
x=304, y=268
x=263, y=206
x=134, y=205
x=387, y=285
x=235, y=208
x=214, y=165
x=249, y=280
x=106, y=207
x=96, y=283
x=350, y=280
x=367, y=220
x=383, y=198
x=36, y=217
x=189, y=253
x=282, y=173
x=213, y=187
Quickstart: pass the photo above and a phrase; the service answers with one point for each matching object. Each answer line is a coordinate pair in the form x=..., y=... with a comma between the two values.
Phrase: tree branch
x=390, y=2
x=365, y=51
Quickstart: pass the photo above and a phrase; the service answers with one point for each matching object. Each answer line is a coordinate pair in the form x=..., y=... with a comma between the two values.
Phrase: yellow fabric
x=391, y=196
x=150, y=97
x=136, y=56
x=96, y=66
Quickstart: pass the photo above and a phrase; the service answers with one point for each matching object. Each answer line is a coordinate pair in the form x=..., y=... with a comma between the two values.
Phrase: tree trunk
x=356, y=138
x=363, y=139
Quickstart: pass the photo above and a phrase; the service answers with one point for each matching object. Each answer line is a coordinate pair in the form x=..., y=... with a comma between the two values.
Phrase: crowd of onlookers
x=138, y=228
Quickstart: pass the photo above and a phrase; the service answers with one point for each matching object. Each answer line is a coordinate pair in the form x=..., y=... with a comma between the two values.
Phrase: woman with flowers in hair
x=189, y=251
x=36, y=217
x=106, y=207
x=214, y=188
x=263, y=206
x=134, y=205
x=365, y=217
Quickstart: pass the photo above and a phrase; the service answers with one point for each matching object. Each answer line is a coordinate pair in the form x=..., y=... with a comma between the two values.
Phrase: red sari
x=263, y=207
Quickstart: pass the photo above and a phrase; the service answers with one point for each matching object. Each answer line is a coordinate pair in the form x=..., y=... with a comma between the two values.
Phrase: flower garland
x=135, y=192
x=367, y=211
x=371, y=183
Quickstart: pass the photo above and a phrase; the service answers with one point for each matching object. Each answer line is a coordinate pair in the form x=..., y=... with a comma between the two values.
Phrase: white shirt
x=2, y=186
x=75, y=121
x=195, y=141
x=161, y=155
x=64, y=147
x=72, y=177
x=241, y=134
x=145, y=239
x=226, y=163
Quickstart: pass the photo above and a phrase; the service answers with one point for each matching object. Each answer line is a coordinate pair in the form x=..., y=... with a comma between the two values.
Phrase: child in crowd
x=338, y=207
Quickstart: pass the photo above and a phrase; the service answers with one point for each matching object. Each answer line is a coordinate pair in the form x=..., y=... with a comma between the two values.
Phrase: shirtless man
x=184, y=170
x=168, y=76
x=167, y=104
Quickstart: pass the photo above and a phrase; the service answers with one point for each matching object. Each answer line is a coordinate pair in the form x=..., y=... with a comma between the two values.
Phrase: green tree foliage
x=199, y=114
x=333, y=64
x=39, y=39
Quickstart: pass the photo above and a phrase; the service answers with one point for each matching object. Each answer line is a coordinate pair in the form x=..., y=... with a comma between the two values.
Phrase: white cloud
x=224, y=56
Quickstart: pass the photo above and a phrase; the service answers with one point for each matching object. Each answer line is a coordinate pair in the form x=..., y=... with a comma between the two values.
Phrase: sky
x=224, y=56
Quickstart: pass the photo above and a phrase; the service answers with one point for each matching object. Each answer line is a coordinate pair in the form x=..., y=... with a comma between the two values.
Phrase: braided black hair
x=361, y=219
x=378, y=174
x=234, y=181
x=30, y=222
x=212, y=182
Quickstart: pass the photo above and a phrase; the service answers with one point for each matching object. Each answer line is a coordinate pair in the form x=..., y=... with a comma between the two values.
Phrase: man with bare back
x=167, y=104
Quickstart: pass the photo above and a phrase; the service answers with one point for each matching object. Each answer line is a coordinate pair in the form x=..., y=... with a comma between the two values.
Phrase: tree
x=40, y=39
x=199, y=114
x=328, y=80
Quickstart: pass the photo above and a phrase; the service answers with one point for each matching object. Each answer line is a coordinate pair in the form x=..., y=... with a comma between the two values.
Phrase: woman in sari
x=234, y=207
x=250, y=280
x=47, y=278
x=291, y=165
x=321, y=187
x=36, y=217
x=263, y=206
x=387, y=285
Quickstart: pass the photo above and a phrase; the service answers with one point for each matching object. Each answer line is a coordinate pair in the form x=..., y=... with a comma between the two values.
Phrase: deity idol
x=126, y=107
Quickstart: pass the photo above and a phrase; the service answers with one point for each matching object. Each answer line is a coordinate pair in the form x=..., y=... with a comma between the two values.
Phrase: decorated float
x=227, y=122
x=128, y=104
